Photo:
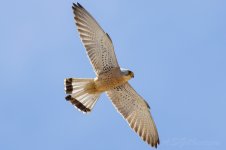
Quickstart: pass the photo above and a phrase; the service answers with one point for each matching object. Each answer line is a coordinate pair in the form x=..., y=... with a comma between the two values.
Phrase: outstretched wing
x=98, y=44
x=136, y=111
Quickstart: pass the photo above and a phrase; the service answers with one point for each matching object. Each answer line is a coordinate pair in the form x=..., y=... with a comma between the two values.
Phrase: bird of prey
x=83, y=93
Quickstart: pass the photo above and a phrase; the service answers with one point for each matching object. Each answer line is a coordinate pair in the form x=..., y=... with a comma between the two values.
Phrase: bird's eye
x=129, y=72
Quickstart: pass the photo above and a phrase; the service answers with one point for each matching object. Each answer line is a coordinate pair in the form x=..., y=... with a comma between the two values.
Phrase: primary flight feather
x=84, y=92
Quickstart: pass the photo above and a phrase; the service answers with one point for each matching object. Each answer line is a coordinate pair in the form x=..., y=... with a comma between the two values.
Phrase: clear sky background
x=177, y=50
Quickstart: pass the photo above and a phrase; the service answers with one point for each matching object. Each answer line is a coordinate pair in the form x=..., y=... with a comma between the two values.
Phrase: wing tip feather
x=153, y=143
x=74, y=6
x=79, y=5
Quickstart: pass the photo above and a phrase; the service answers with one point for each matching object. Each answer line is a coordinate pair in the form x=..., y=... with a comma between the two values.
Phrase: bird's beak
x=132, y=75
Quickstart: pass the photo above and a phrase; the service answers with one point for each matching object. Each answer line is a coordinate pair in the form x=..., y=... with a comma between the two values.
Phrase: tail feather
x=81, y=93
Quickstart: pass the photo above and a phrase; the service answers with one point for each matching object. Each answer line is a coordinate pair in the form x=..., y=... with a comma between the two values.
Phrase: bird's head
x=127, y=74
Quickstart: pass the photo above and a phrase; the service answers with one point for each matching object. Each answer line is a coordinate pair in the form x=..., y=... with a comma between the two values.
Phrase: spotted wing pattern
x=98, y=44
x=136, y=111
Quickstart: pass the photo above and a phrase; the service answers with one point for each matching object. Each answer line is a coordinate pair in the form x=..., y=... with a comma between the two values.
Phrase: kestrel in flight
x=83, y=93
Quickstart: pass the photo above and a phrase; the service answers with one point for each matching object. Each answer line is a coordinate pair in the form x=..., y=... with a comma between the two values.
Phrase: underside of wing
x=136, y=111
x=98, y=44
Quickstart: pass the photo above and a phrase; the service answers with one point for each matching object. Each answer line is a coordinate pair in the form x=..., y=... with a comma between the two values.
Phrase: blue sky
x=177, y=50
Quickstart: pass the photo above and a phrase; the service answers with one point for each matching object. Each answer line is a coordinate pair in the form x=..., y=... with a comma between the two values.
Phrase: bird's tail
x=81, y=93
